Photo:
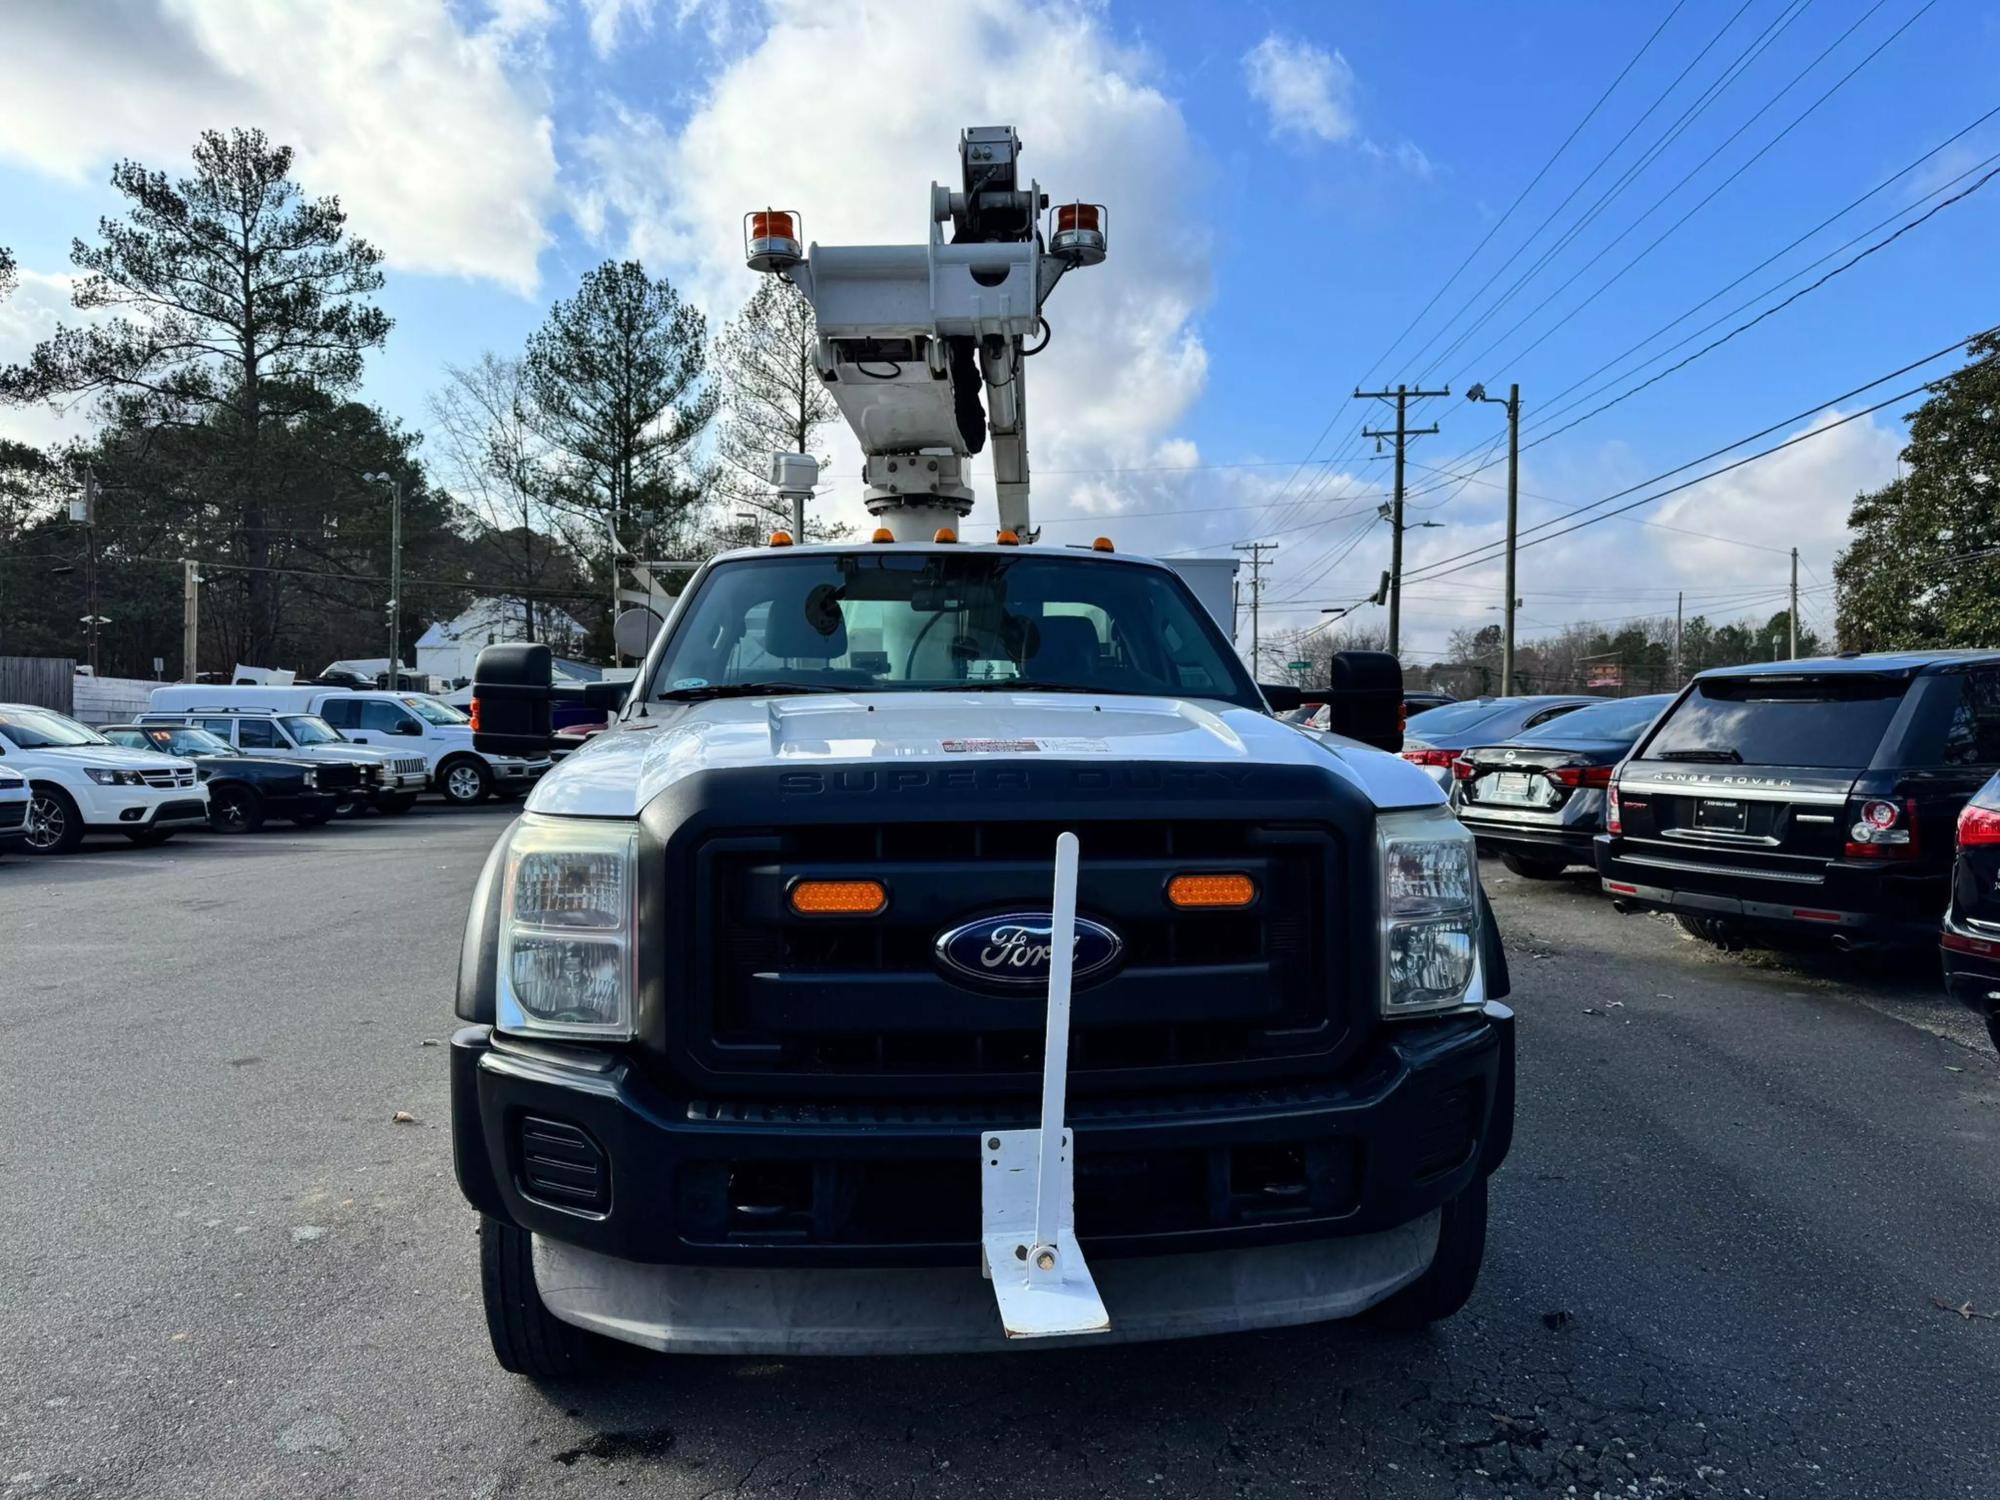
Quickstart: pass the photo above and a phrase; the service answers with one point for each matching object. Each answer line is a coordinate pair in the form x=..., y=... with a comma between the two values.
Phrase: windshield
x=39, y=729
x=189, y=742
x=909, y=621
x=310, y=729
x=1451, y=718
x=432, y=711
x=1623, y=720
x=1781, y=721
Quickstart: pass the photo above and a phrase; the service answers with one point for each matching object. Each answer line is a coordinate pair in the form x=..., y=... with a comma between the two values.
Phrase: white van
x=404, y=724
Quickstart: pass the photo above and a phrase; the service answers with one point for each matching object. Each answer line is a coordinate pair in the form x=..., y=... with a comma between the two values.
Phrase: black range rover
x=1806, y=795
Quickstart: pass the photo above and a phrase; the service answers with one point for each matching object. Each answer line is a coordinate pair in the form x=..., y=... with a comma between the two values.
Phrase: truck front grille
x=169, y=777
x=846, y=1005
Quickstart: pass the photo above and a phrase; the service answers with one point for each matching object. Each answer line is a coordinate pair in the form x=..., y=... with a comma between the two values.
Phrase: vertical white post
x=1055, y=1052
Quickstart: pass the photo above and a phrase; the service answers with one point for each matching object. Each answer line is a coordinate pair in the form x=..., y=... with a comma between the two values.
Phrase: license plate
x=1517, y=787
x=1718, y=816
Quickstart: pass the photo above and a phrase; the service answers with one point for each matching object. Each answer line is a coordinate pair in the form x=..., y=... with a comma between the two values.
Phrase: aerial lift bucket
x=1028, y=1246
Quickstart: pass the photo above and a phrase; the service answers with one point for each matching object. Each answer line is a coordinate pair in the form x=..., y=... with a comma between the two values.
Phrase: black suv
x=1971, y=940
x=242, y=789
x=1809, y=795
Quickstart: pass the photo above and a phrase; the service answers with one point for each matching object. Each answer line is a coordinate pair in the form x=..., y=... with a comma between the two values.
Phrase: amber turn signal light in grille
x=1200, y=892
x=839, y=898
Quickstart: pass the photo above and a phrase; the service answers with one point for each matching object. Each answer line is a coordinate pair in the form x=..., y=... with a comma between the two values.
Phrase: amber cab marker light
x=1102, y=544
x=1198, y=892
x=839, y=898
x=945, y=534
x=781, y=539
x=883, y=534
x=1008, y=539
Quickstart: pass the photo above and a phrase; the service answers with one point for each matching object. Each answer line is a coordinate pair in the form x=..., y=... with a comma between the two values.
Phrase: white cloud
x=27, y=317
x=800, y=120
x=440, y=153
x=1309, y=92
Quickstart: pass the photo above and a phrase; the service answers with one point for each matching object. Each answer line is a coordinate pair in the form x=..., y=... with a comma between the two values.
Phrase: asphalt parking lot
x=1748, y=1198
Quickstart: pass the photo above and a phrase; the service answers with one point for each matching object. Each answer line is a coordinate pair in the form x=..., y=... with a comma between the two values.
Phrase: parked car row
x=229, y=758
x=1857, y=797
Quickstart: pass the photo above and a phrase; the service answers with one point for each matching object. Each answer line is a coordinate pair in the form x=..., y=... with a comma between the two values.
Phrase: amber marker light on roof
x=781, y=539
x=945, y=534
x=839, y=898
x=1008, y=539
x=883, y=534
x=1211, y=892
x=1102, y=544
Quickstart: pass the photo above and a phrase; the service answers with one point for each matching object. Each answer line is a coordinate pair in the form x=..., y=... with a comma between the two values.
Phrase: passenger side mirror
x=1365, y=701
x=408, y=726
x=1282, y=696
x=510, y=700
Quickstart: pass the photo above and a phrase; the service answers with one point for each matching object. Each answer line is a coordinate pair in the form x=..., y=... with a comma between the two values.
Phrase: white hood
x=619, y=772
x=115, y=757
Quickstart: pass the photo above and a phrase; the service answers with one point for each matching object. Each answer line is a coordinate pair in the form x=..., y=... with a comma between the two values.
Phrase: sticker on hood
x=1061, y=746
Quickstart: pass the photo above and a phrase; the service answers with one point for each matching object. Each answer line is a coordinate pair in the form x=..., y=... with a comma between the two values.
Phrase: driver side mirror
x=1282, y=696
x=510, y=700
x=1365, y=701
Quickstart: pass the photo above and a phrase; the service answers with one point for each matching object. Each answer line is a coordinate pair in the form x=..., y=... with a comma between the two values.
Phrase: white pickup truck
x=408, y=726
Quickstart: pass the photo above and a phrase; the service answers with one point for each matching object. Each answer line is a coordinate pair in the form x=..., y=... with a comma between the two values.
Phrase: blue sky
x=1288, y=186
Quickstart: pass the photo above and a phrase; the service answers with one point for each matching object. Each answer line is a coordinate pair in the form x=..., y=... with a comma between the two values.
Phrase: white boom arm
x=911, y=336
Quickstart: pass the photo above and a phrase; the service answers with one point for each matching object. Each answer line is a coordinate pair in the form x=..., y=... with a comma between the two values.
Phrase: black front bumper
x=579, y=1145
x=1873, y=902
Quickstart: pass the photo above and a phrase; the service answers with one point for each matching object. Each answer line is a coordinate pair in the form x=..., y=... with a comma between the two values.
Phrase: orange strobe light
x=1208, y=892
x=839, y=898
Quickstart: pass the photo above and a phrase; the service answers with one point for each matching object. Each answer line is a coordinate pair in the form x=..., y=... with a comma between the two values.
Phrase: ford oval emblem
x=1014, y=949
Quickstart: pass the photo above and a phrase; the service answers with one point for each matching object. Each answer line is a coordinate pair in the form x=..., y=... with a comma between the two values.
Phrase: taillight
x=1576, y=776
x=1978, y=826
x=1611, y=823
x=1431, y=757
x=1883, y=830
x=1462, y=769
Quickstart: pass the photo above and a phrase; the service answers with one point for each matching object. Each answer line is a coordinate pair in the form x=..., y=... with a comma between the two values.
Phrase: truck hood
x=618, y=772
x=115, y=757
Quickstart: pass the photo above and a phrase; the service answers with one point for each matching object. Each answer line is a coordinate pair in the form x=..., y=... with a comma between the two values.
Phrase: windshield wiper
x=710, y=690
x=1718, y=753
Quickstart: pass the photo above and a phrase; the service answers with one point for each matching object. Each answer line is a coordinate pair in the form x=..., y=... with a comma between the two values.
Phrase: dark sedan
x=1538, y=799
x=1436, y=737
x=242, y=789
x=1972, y=921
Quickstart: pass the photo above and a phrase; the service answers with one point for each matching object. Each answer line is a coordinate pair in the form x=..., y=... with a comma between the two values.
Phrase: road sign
x=1298, y=666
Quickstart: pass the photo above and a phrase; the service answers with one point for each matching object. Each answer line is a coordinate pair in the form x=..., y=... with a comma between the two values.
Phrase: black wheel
x=1453, y=1272
x=465, y=781
x=54, y=825
x=1711, y=930
x=527, y=1338
x=235, y=809
x=395, y=804
x=350, y=807
x=1534, y=866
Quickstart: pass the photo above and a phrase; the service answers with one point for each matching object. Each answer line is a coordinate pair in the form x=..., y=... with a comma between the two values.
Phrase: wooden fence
x=45, y=681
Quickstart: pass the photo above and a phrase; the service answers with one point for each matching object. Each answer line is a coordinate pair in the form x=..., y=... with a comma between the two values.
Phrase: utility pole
x=395, y=484
x=1256, y=551
x=1513, y=405
x=190, y=620
x=1402, y=395
x=1792, y=618
x=1679, y=598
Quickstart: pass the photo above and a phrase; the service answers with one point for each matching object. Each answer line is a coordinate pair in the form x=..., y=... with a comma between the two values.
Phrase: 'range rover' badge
x=1014, y=949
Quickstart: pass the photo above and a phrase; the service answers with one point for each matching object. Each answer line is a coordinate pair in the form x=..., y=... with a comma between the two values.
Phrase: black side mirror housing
x=1365, y=698
x=609, y=696
x=511, y=692
x=1282, y=696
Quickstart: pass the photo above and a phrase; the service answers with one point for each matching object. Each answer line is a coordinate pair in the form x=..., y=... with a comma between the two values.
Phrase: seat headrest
x=1066, y=648
x=814, y=631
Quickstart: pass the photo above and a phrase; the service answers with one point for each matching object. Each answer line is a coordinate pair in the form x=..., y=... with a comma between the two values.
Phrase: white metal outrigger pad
x=1027, y=1178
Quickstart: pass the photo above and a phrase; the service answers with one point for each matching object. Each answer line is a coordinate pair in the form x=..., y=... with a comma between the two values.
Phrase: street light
x=395, y=484
x=1513, y=405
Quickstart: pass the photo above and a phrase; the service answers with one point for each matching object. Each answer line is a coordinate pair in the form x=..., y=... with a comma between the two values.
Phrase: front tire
x=527, y=1338
x=54, y=824
x=235, y=809
x=1447, y=1282
x=1534, y=866
x=465, y=782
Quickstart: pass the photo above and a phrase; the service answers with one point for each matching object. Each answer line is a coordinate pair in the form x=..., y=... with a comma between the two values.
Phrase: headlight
x=312, y=778
x=1430, y=915
x=568, y=911
x=105, y=776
